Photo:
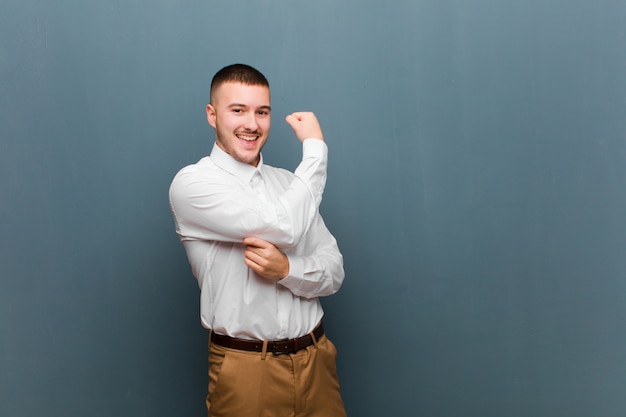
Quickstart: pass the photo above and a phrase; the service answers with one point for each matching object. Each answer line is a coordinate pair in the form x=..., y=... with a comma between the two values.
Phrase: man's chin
x=248, y=159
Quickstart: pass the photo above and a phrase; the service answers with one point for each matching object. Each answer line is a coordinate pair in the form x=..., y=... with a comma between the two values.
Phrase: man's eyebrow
x=268, y=108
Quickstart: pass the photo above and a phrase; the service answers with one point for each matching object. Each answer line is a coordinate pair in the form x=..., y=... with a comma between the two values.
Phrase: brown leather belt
x=278, y=347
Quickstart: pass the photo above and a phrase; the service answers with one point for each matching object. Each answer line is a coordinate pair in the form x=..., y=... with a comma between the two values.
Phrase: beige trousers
x=251, y=384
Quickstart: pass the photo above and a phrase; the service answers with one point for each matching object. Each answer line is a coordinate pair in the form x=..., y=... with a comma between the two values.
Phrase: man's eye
x=237, y=110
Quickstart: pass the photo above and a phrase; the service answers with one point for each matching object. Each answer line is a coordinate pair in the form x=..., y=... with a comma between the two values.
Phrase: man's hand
x=305, y=125
x=265, y=259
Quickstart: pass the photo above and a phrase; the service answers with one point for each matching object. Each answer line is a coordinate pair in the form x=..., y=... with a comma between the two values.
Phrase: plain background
x=477, y=188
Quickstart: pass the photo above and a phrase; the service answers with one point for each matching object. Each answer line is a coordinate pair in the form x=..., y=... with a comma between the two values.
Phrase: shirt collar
x=228, y=163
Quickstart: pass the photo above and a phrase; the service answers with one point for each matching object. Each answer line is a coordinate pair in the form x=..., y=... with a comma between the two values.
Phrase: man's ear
x=210, y=115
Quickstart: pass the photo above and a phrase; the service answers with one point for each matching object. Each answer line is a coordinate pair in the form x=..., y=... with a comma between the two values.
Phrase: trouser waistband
x=277, y=347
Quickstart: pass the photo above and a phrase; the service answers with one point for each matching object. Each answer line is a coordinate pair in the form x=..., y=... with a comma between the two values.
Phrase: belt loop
x=314, y=339
x=264, y=351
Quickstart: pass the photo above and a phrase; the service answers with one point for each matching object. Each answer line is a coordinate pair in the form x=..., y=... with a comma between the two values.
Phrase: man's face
x=240, y=114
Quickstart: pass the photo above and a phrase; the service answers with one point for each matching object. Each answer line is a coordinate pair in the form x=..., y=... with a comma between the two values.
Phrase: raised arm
x=211, y=205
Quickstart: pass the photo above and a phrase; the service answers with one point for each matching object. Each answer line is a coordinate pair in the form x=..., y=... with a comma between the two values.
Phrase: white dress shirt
x=219, y=201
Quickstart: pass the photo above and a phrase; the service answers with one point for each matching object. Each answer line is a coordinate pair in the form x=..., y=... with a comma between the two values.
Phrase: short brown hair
x=238, y=73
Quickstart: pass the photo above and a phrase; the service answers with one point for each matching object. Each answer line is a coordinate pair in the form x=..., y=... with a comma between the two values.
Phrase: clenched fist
x=305, y=125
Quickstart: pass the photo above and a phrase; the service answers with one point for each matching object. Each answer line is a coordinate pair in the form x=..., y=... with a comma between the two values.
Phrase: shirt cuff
x=312, y=147
x=296, y=270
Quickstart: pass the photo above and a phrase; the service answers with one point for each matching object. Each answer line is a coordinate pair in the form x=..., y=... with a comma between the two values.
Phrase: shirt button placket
x=257, y=186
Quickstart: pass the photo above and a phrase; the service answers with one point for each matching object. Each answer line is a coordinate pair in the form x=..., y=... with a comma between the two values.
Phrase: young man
x=262, y=256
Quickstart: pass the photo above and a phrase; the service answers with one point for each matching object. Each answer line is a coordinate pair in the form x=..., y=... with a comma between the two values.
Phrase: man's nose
x=251, y=122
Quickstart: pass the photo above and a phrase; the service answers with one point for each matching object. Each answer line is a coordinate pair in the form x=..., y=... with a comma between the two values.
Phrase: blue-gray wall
x=477, y=187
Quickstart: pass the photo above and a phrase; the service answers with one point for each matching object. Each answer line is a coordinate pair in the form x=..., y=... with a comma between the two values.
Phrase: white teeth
x=248, y=138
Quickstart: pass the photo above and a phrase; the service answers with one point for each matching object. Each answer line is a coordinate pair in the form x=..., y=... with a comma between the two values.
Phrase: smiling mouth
x=247, y=137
